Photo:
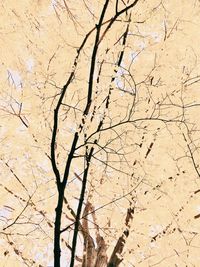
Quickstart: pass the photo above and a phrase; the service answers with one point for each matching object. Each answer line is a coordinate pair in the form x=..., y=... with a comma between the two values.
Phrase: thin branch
x=93, y=60
x=105, y=205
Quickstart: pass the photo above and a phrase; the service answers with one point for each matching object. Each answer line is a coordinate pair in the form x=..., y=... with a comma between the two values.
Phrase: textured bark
x=93, y=257
x=116, y=257
x=89, y=252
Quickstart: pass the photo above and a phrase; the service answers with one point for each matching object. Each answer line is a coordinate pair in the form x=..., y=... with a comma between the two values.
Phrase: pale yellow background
x=38, y=43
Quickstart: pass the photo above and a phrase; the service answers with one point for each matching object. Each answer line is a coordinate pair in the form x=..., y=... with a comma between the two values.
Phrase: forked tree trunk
x=97, y=257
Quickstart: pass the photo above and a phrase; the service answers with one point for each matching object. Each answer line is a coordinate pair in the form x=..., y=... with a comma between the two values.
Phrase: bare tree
x=88, y=143
x=122, y=132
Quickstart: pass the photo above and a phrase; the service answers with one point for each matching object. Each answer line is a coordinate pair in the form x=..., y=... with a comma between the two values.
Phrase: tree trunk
x=58, y=210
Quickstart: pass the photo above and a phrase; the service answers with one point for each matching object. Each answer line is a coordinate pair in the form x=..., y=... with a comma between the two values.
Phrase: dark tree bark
x=62, y=182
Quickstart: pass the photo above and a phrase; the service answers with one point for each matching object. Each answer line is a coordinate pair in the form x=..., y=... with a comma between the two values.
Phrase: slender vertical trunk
x=62, y=183
x=61, y=189
x=80, y=205
x=57, y=233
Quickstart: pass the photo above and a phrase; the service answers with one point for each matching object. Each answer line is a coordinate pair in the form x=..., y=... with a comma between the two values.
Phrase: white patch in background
x=142, y=45
x=79, y=248
x=50, y=264
x=53, y=4
x=38, y=256
x=155, y=229
x=153, y=245
x=134, y=55
x=14, y=78
x=119, y=83
x=121, y=71
x=198, y=208
x=4, y=214
x=65, y=258
x=48, y=254
x=155, y=36
x=30, y=64
x=44, y=165
x=72, y=129
x=142, y=255
x=21, y=129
